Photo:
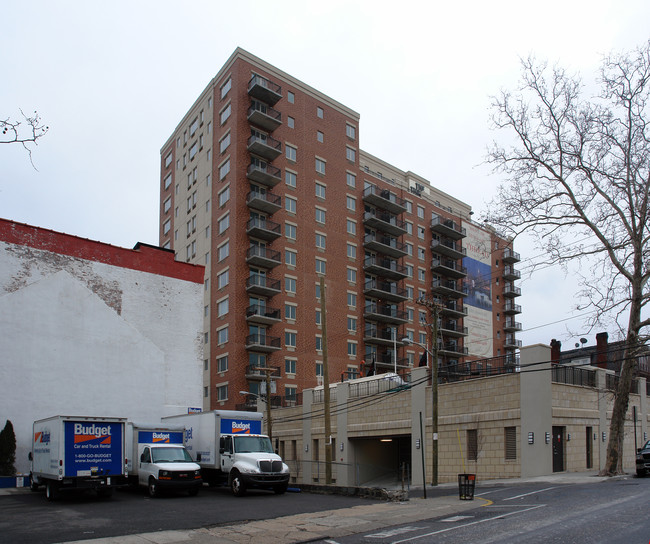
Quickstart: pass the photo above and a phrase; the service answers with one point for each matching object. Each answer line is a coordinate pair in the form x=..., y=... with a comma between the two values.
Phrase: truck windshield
x=248, y=444
x=170, y=455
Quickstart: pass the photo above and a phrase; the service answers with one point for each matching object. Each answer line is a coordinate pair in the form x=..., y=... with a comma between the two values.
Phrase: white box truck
x=158, y=460
x=78, y=452
x=230, y=448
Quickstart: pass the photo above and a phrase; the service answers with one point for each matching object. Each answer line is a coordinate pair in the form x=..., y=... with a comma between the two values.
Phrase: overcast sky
x=113, y=79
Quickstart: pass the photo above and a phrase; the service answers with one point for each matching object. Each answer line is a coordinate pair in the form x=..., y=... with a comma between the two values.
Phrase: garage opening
x=382, y=461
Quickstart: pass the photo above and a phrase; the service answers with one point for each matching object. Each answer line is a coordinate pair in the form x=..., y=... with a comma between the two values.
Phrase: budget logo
x=239, y=427
x=91, y=434
x=42, y=437
x=162, y=438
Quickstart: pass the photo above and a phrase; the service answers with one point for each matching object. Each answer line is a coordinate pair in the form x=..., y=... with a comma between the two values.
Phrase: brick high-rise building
x=264, y=182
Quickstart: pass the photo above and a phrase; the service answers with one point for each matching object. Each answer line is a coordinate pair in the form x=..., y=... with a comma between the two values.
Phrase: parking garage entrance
x=382, y=461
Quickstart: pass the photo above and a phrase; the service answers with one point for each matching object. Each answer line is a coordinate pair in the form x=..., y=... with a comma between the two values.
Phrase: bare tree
x=578, y=179
x=24, y=132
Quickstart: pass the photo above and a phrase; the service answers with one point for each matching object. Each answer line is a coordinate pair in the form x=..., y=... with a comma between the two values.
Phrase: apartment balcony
x=384, y=222
x=511, y=342
x=254, y=372
x=263, y=285
x=384, y=290
x=264, y=202
x=451, y=349
x=264, y=89
x=384, y=336
x=386, y=245
x=511, y=291
x=511, y=325
x=448, y=288
x=264, y=116
x=510, y=274
x=388, y=361
x=264, y=146
x=511, y=308
x=449, y=327
x=510, y=256
x=382, y=266
x=448, y=248
x=448, y=267
x=447, y=228
x=263, y=257
x=264, y=343
x=384, y=313
x=262, y=314
x=453, y=309
x=260, y=171
x=264, y=229
x=384, y=199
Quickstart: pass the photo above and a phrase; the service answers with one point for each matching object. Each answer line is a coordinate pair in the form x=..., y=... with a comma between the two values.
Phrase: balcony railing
x=510, y=290
x=447, y=228
x=262, y=172
x=263, y=285
x=262, y=342
x=448, y=267
x=510, y=274
x=510, y=256
x=264, y=89
x=264, y=146
x=384, y=199
x=264, y=201
x=380, y=335
x=511, y=308
x=260, y=227
x=448, y=248
x=387, y=245
x=385, y=290
x=389, y=314
x=449, y=288
x=383, y=266
x=262, y=256
x=264, y=116
x=257, y=371
x=259, y=313
x=385, y=222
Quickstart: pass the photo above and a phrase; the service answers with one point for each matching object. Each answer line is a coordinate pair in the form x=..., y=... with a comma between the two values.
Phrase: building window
x=290, y=231
x=222, y=393
x=290, y=366
x=351, y=179
x=167, y=182
x=193, y=150
x=319, y=345
x=350, y=154
x=167, y=225
x=291, y=122
x=352, y=275
x=290, y=179
x=352, y=300
x=409, y=270
x=421, y=253
x=409, y=249
x=510, y=443
x=352, y=324
x=352, y=348
x=224, y=169
x=319, y=112
x=291, y=153
x=290, y=257
x=168, y=160
x=223, y=251
x=222, y=363
x=320, y=166
x=222, y=279
x=352, y=251
x=409, y=228
x=318, y=318
x=224, y=143
x=224, y=196
x=222, y=335
x=320, y=241
x=290, y=204
x=420, y=212
x=422, y=274
x=224, y=223
x=321, y=266
x=290, y=285
x=350, y=131
x=351, y=203
x=222, y=307
x=409, y=206
x=320, y=137
x=225, y=113
x=290, y=339
x=319, y=369
x=351, y=227
x=420, y=232
x=225, y=88
x=320, y=216
x=320, y=191
x=291, y=98
x=290, y=312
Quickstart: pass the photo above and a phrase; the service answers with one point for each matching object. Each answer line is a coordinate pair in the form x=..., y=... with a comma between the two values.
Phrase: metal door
x=558, y=449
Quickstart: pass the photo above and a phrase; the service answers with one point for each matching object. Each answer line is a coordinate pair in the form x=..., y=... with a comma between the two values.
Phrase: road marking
x=455, y=518
x=500, y=516
x=394, y=532
x=531, y=493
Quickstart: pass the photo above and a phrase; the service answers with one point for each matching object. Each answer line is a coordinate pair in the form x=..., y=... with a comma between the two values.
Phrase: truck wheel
x=153, y=488
x=280, y=489
x=237, y=484
x=51, y=491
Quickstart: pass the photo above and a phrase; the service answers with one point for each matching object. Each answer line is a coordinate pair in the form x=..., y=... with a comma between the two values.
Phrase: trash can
x=466, y=484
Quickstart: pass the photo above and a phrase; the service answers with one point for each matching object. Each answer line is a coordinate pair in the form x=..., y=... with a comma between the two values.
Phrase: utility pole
x=269, y=421
x=434, y=315
x=326, y=387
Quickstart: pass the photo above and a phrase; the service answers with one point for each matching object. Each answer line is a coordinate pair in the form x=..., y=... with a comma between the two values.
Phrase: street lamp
x=434, y=415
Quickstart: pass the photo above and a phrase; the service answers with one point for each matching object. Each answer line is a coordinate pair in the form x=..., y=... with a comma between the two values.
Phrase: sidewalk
x=374, y=516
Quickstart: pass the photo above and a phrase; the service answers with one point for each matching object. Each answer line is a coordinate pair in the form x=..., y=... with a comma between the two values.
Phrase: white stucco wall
x=80, y=337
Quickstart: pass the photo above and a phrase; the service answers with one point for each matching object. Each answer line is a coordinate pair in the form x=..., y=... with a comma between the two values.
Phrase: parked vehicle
x=643, y=459
x=231, y=449
x=78, y=453
x=158, y=460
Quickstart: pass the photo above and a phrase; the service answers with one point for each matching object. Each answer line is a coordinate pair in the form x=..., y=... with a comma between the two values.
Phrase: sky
x=113, y=79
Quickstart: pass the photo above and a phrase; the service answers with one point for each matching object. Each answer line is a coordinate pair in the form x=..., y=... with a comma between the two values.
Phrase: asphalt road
x=28, y=518
x=612, y=512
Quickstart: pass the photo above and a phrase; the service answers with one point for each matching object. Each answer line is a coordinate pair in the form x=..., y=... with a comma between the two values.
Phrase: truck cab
x=168, y=467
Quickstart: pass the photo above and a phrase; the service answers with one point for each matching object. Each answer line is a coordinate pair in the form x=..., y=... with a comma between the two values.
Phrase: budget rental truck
x=158, y=460
x=231, y=449
x=78, y=452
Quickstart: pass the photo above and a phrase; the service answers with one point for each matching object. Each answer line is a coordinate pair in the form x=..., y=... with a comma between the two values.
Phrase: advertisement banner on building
x=478, y=263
